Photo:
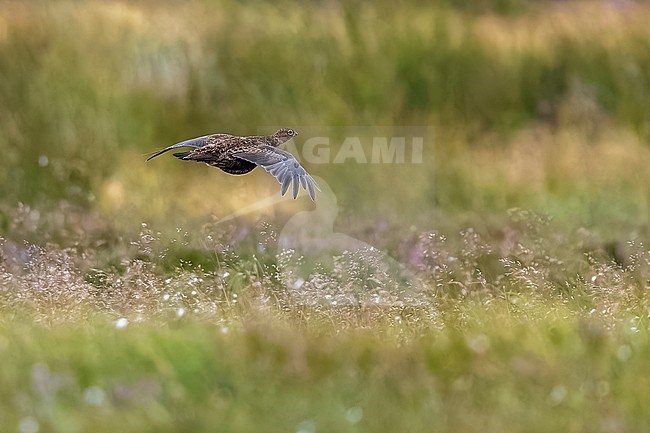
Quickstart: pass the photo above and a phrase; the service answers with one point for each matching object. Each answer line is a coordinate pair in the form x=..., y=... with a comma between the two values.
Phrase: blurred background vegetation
x=125, y=306
x=542, y=105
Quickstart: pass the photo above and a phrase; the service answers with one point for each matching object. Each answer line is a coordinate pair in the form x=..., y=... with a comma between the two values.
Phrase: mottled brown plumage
x=240, y=155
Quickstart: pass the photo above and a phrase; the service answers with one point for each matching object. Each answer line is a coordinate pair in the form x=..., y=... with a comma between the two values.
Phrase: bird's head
x=285, y=134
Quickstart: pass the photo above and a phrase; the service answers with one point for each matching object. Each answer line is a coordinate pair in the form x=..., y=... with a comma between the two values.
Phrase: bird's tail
x=194, y=142
x=182, y=155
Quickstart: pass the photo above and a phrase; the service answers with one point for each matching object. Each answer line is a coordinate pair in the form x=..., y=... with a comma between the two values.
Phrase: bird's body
x=240, y=155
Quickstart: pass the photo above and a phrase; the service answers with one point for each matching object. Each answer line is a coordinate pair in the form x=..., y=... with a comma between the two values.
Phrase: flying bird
x=240, y=155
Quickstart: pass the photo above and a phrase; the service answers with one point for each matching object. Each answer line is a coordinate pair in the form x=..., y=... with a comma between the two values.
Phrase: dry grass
x=409, y=298
x=505, y=330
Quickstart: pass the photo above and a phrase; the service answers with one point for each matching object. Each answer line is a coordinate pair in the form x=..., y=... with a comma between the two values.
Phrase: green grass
x=542, y=369
x=509, y=288
x=538, y=332
x=92, y=88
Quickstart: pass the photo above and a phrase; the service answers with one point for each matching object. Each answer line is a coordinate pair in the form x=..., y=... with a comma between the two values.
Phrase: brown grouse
x=240, y=155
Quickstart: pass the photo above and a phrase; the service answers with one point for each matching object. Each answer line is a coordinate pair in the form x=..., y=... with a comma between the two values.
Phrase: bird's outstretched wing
x=214, y=139
x=194, y=142
x=283, y=166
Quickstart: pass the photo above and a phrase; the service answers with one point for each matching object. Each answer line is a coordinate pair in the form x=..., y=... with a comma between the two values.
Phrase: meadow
x=499, y=284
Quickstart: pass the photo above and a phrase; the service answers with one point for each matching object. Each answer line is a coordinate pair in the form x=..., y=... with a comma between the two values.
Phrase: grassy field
x=502, y=284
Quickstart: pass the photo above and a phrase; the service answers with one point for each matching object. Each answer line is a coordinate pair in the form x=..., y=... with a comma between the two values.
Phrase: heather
x=500, y=283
